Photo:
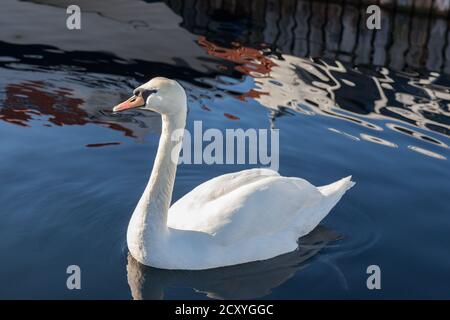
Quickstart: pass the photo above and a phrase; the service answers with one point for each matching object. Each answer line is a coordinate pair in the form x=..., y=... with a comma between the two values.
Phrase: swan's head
x=160, y=94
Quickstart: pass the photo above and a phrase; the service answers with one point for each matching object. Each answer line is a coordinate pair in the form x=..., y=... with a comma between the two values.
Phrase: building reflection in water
x=305, y=57
x=367, y=96
x=414, y=33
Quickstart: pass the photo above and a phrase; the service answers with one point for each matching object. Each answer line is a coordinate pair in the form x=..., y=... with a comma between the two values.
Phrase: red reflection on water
x=36, y=98
x=249, y=60
x=230, y=116
x=252, y=94
x=27, y=99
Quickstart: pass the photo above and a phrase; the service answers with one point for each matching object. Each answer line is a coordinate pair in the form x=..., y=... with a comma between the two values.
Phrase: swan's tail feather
x=338, y=187
x=333, y=193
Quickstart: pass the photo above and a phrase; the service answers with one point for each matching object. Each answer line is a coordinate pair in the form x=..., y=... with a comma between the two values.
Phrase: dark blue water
x=72, y=171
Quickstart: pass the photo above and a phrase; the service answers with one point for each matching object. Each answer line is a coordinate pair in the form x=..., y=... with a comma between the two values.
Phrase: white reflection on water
x=427, y=152
x=367, y=97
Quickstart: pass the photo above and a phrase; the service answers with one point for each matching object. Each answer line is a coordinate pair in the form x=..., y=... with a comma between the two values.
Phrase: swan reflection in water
x=245, y=281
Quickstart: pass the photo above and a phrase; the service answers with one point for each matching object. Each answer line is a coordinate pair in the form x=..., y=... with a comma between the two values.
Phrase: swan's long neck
x=158, y=193
x=148, y=225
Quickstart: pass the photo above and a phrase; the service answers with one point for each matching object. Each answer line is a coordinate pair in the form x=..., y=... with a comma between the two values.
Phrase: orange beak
x=133, y=102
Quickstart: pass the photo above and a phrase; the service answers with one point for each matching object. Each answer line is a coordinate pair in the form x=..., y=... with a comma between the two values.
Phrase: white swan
x=235, y=218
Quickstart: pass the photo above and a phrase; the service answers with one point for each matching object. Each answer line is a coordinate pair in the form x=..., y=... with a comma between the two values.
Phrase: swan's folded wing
x=224, y=184
x=261, y=205
x=185, y=213
x=220, y=186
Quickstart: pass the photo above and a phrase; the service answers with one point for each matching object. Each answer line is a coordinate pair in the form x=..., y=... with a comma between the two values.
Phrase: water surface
x=72, y=171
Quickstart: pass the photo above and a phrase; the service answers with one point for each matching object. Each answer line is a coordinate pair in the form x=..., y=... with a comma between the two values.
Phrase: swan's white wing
x=221, y=185
x=185, y=213
x=191, y=203
x=245, y=204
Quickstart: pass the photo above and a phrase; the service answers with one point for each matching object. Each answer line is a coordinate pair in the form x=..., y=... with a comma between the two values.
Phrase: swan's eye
x=147, y=93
